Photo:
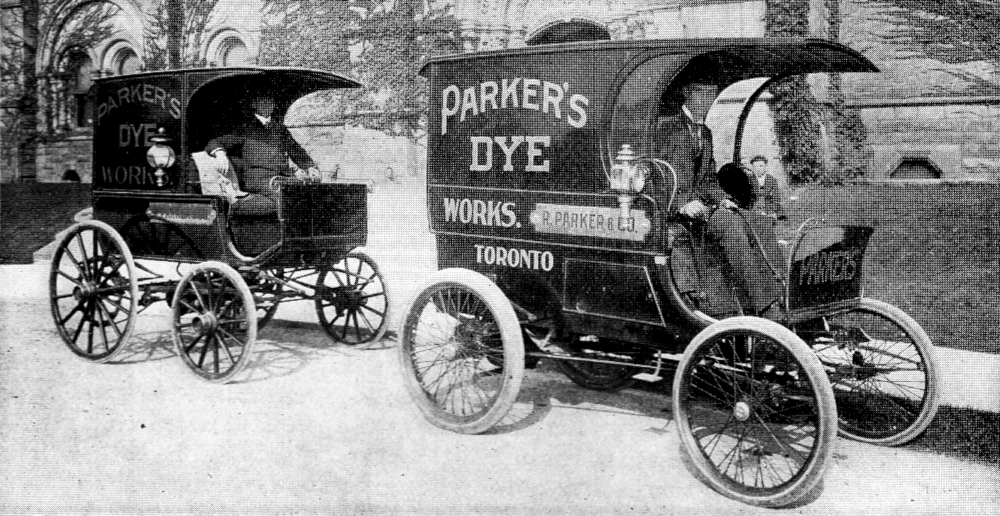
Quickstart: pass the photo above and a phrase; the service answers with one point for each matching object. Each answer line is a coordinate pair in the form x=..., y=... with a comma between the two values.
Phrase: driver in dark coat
x=687, y=145
x=261, y=148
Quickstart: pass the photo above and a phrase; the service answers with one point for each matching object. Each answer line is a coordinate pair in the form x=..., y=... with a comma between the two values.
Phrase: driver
x=687, y=145
x=262, y=147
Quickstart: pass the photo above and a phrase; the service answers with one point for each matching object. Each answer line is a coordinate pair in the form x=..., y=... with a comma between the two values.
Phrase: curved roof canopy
x=729, y=59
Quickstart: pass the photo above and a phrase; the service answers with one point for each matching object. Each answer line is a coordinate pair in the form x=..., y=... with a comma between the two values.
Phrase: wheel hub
x=741, y=411
x=205, y=323
x=84, y=291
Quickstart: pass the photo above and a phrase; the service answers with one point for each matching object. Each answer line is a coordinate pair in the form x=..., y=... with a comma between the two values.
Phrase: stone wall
x=960, y=139
x=58, y=156
x=920, y=106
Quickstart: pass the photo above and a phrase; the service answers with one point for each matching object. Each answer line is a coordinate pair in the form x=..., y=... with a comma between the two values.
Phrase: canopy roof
x=730, y=59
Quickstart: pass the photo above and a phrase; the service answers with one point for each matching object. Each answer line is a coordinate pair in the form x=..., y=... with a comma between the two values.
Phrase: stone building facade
x=914, y=130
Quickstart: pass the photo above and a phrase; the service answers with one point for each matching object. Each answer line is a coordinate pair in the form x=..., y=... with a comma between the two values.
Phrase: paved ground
x=326, y=429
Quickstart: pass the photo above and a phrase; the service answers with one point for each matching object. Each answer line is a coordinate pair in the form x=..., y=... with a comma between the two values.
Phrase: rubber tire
x=364, y=256
x=133, y=290
x=619, y=377
x=513, y=349
x=250, y=313
x=926, y=350
x=812, y=471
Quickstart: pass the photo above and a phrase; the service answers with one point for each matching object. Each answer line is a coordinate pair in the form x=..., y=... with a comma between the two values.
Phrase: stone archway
x=49, y=46
x=568, y=31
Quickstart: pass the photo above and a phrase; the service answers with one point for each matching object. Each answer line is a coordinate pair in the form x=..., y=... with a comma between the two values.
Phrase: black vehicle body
x=192, y=107
x=151, y=203
x=550, y=218
x=552, y=245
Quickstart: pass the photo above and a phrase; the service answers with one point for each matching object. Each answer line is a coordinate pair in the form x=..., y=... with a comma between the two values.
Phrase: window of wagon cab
x=638, y=103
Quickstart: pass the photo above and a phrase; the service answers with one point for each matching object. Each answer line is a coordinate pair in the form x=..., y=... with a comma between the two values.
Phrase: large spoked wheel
x=352, y=300
x=214, y=322
x=755, y=411
x=462, y=352
x=93, y=291
x=881, y=366
x=600, y=376
x=269, y=294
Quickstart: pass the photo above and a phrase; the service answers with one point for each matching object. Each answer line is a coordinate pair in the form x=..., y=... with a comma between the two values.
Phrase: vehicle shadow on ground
x=284, y=348
x=544, y=389
x=147, y=346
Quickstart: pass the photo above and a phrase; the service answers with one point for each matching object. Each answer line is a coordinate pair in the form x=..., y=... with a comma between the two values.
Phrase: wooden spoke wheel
x=881, y=366
x=755, y=411
x=93, y=291
x=462, y=352
x=269, y=294
x=352, y=300
x=214, y=322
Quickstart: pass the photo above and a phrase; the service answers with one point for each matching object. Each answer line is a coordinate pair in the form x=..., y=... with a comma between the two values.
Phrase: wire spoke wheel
x=600, y=376
x=352, y=300
x=93, y=291
x=755, y=411
x=462, y=352
x=214, y=322
x=882, y=370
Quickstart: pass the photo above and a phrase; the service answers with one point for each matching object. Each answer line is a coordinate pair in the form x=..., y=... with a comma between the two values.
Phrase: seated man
x=752, y=263
x=264, y=147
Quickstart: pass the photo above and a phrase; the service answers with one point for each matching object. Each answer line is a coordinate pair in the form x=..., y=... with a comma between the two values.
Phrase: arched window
x=79, y=69
x=234, y=52
x=568, y=32
x=126, y=61
x=916, y=167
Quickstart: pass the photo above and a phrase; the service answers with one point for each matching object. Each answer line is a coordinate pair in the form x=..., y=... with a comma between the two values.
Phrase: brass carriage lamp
x=160, y=155
x=627, y=178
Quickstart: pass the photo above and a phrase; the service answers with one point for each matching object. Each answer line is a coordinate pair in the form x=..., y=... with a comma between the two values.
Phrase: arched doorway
x=916, y=168
x=569, y=32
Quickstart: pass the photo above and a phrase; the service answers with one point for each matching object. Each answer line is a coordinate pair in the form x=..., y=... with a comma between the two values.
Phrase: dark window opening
x=916, y=168
x=79, y=78
x=569, y=32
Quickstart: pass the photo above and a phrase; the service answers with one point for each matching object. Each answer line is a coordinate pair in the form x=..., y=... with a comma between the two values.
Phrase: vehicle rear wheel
x=598, y=376
x=269, y=294
x=462, y=352
x=755, y=411
x=93, y=291
x=881, y=366
x=214, y=322
x=352, y=300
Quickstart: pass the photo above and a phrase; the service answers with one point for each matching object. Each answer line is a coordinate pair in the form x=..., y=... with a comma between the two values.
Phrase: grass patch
x=963, y=433
x=934, y=252
x=32, y=213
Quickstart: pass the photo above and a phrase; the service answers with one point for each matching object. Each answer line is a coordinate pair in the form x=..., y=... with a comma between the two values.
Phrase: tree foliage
x=20, y=90
x=796, y=112
x=382, y=44
x=161, y=37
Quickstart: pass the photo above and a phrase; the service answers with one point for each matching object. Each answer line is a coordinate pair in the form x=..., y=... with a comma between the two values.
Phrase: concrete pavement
x=320, y=429
x=968, y=379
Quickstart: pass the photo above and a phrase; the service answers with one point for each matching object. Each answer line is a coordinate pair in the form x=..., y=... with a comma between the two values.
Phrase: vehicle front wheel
x=352, y=300
x=462, y=352
x=214, y=322
x=755, y=411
